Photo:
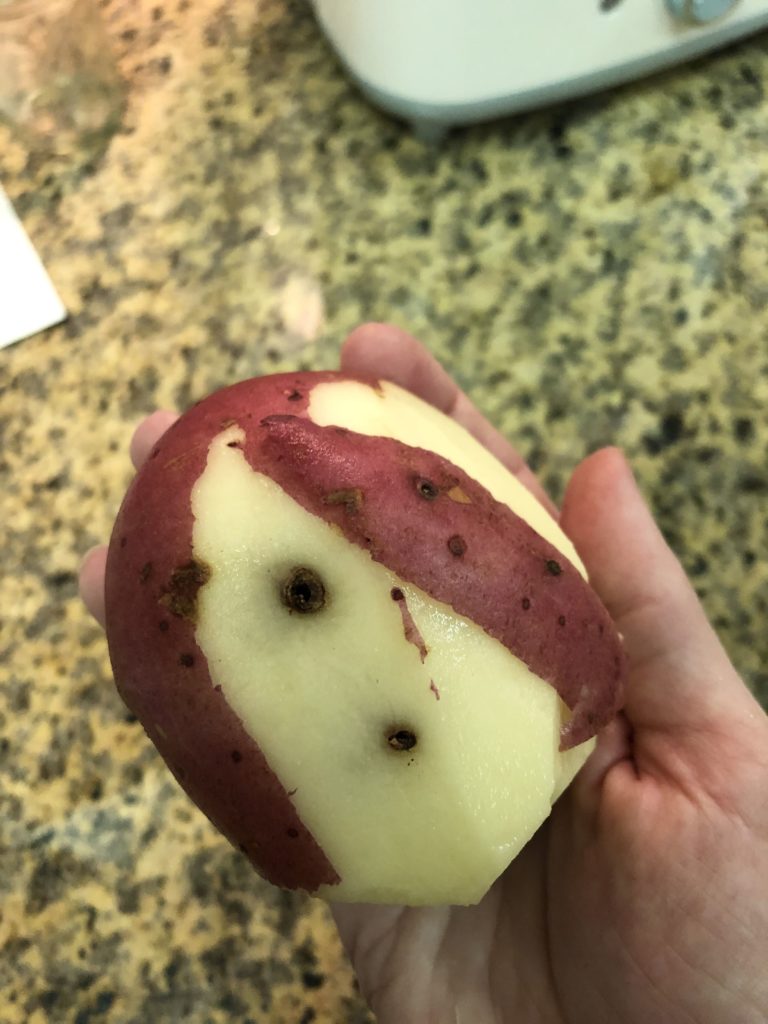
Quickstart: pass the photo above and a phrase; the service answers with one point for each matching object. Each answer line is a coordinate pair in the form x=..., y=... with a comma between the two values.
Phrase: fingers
x=681, y=680
x=382, y=350
x=91, y=582
x=614, y=744
x=148, y=433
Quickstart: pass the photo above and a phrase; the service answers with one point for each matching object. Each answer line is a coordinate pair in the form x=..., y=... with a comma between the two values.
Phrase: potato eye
x=427, y=489
x=401, y=739
x=303, y=591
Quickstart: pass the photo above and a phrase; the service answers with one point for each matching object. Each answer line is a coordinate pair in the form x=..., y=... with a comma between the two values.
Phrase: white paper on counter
x=28, y=300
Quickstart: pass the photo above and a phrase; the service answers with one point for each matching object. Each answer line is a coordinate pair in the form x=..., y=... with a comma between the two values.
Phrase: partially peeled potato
x=362, y=646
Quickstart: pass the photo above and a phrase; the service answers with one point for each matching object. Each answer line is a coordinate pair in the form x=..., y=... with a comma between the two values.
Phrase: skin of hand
x=644, y=897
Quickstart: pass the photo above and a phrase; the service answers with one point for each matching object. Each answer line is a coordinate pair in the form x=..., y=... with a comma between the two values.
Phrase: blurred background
x=594, y=273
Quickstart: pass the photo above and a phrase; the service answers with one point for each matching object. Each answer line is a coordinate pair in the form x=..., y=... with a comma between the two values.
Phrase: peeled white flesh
x=320, y=693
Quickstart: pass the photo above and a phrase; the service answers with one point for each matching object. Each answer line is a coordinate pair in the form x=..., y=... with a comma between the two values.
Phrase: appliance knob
x=700, y=11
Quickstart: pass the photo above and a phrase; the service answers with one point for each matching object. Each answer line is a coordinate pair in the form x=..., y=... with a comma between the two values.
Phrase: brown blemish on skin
x=350, y=497
x=303, y=591
x=164, y=625
x=123, y=541
x=457, y=545
x=236, y=756
x=145, y=572
x=411, y=630
x=293, y=395
x=458, y=495
x=526, y=603
x=234, y=444
x=292, y=833
x=561, y=620
x=180, y=596
x=401, y=739
x=187, y=660
x=434, y=689
x=554, y=568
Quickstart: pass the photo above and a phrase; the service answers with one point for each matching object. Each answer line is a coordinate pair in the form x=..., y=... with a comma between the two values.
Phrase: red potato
x=363, y=648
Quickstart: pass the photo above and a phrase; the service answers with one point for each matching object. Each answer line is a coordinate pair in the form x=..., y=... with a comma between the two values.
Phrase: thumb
x=681, y=680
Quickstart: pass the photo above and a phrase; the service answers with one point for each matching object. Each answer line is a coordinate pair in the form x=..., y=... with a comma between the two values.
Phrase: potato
x=361, y=645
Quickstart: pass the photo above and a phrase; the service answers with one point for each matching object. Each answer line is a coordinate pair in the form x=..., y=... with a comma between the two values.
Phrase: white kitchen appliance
x=440, y=63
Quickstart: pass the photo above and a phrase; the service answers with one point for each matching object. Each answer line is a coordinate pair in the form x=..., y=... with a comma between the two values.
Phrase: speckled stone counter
x=595, y=274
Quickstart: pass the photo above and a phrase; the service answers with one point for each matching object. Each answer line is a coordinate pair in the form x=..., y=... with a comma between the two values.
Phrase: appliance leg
x=432, y=133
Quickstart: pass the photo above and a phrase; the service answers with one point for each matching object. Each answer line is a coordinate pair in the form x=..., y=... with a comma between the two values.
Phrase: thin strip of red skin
x=510, y=581
x=411, y=630
x=160, y=671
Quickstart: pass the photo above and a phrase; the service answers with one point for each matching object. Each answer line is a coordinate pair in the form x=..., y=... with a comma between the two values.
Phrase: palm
x=643, y=899
x=606, y=916
x=620, y=908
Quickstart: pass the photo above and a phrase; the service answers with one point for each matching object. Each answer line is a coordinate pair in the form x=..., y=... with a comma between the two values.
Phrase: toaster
x=440, y=63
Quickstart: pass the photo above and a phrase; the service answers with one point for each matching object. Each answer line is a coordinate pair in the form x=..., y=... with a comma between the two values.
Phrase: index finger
x=383, y=350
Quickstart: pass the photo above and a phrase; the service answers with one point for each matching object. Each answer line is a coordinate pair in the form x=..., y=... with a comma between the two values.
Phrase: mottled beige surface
x=594, y=274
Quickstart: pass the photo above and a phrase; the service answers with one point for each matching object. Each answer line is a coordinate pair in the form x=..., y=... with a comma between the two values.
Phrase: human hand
x=644, y=897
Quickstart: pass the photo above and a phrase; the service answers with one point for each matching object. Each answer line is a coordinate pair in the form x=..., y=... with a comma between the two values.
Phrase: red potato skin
x=161, y=673
x=452, y=539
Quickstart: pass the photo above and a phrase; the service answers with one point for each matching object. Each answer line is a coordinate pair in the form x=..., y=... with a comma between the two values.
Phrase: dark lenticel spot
x=292, y=833
x=526, y=603
x=553, y=568
x=187, y=660
x=457, y=545
x=236, y=756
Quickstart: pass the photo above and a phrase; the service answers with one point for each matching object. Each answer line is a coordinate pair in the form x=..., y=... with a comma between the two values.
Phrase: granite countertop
x=593, y=274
